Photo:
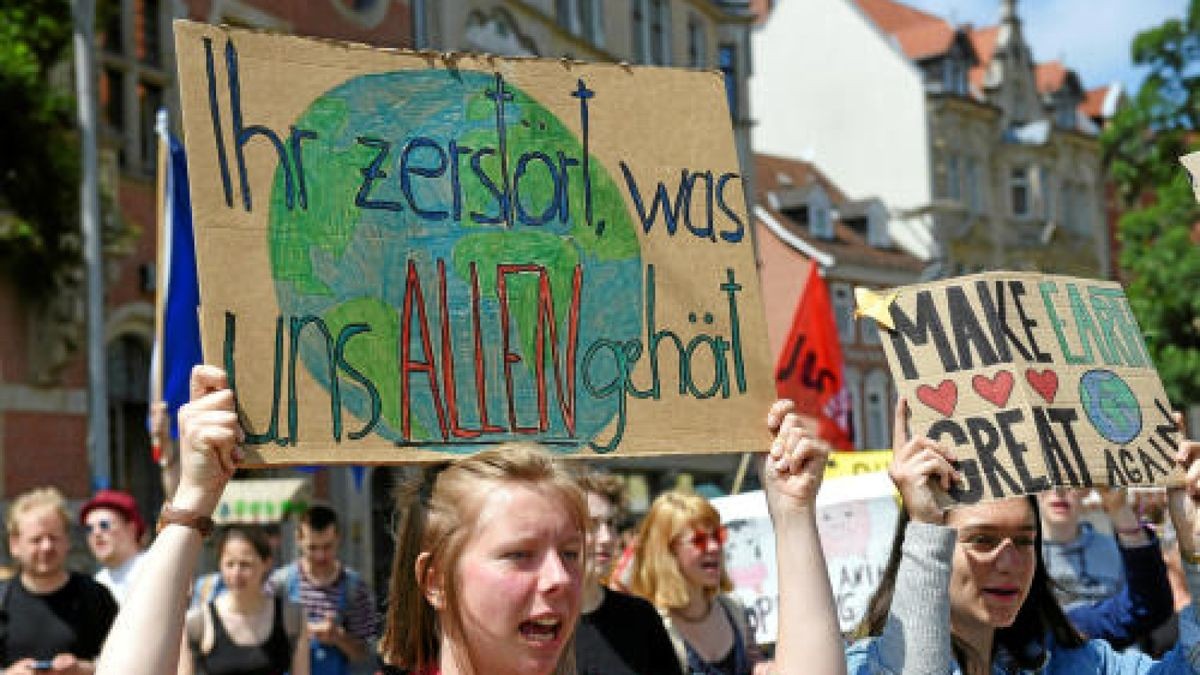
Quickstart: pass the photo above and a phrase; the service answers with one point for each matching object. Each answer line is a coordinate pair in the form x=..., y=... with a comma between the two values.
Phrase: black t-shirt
x=72, y=620
x=624, y=636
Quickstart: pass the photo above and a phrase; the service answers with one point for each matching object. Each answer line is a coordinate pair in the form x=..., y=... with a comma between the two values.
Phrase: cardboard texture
x=1191, y=162
x=409, y=256
x=1034, y=381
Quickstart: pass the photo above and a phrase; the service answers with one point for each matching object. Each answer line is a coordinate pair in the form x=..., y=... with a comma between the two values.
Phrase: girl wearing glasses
x=680, y=568
x=966, y=589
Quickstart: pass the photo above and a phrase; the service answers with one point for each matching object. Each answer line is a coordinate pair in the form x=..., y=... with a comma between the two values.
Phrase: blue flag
x=181, y=325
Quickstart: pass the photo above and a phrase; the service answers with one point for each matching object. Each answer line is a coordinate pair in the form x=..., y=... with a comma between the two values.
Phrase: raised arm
x=146, y=637
x=1144, y=601
x=916, y=635
x=808, y=640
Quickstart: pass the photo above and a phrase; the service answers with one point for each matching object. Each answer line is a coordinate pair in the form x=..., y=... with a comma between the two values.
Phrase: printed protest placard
x=405, y=256
x=856, y=516
x=750, y=560
x=1034, y=380
x=857, y=462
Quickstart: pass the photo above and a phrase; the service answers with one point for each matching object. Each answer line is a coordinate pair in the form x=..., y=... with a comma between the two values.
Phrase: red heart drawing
x=942, y=398
x=996, y=388
x=1045, y=383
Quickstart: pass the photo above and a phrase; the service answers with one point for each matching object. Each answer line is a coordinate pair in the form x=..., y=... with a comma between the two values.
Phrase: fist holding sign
x=1034, y=381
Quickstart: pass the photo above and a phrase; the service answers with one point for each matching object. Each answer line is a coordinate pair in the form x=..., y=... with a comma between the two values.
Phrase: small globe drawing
x=1110, y=406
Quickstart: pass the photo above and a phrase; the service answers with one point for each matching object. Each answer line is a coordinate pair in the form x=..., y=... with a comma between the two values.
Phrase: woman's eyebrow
x=994, y=528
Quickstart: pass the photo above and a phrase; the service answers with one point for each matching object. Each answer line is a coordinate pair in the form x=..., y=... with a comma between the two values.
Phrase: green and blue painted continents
x=461, y=223
x=1110, y=406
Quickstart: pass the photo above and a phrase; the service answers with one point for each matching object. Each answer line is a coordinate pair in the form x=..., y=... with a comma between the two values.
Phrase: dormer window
x=1064, y=113
x=820, y=221
x=954, y=75
x=877, y=226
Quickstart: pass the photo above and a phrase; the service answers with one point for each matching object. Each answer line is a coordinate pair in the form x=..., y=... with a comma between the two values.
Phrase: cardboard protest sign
x=1191, y=162
x=406, y=256
x=857, y=462
x=1034, y=380
x=856, y=517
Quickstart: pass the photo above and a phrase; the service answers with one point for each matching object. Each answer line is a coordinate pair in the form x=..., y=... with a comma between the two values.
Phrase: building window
x=660, y=32
x=953, y=179
x=569, y=15
x=149, y=47
x=1065, y=113
x=727, y=62
x=877, y=226
x=870, y=330
x=843, y=311
x=133, y=80
x=820, y=223
x=697, y=44
x=974, y=186
x=1018, y=188
x=641, y=32
x=592, y=17
x=854, y=386
x=1080, y=209
x=876, y=410
x=1046, y=192
x=954, y=76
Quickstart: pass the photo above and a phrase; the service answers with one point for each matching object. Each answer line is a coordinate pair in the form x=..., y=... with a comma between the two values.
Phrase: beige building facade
x=985, y=158
x=704, y=34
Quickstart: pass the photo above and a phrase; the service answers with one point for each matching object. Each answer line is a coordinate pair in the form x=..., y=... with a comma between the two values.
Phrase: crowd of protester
x=505, y=559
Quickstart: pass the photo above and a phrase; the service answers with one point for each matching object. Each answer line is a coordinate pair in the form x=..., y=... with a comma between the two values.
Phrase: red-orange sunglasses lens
x=700, y=538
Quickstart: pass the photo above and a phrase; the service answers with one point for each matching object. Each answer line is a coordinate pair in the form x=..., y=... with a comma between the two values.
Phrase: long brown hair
x=437, y=515
x=1040, y=615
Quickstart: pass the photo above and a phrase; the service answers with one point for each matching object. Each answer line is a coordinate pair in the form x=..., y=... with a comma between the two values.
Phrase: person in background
x=966, y=589
x=495, y=572
x=618, y=634
x=164, y=448
x=338, y=605
x=245, y=631
x=1112, y=588
x=680, y=568
x=114, y=532
x=52, y=619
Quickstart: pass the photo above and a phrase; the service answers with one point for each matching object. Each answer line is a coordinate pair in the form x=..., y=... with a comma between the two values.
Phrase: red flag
x=810, y=367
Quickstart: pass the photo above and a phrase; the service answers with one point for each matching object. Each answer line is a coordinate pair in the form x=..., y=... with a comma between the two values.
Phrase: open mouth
x=543, y=630
x=1003, y=594
x=1058, y=506
x=713, y=566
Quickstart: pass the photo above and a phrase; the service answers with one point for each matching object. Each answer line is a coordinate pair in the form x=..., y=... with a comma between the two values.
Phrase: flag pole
x=740, y=477
x=160, y=277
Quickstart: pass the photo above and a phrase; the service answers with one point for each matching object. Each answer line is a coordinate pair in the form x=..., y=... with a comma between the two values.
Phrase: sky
x=1090, y=36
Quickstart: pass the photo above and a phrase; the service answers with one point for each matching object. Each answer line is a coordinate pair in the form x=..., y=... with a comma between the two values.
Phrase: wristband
x=175, y=516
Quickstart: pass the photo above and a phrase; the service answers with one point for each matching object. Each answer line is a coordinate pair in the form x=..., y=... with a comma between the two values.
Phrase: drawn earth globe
x=345, y=264
x=1110, y=406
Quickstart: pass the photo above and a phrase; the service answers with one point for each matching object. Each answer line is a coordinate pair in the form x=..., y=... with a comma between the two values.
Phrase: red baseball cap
x=119, y=501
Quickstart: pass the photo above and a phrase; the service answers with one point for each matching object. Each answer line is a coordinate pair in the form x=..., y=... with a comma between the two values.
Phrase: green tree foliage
x=1159, y=256
x=39, y=163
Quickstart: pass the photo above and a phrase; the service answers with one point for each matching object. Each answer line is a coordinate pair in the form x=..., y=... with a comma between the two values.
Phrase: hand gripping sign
x=1034, y=380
